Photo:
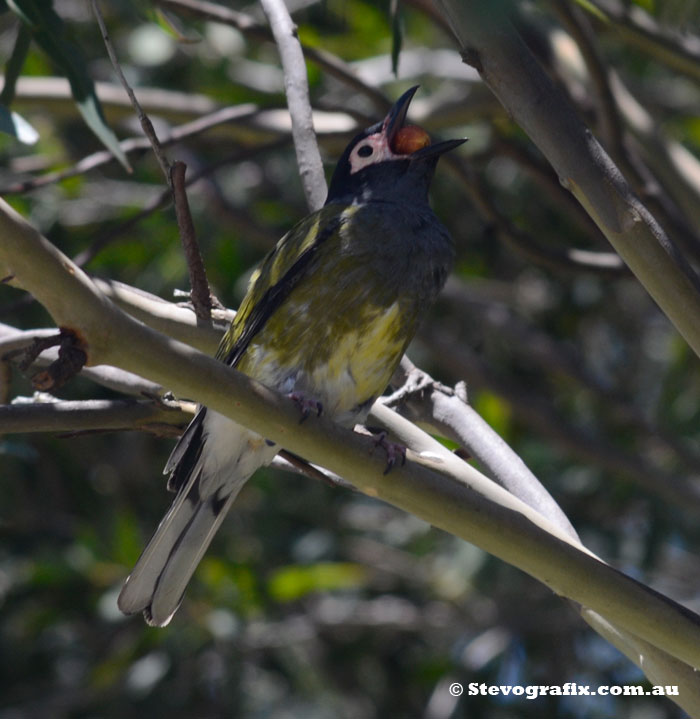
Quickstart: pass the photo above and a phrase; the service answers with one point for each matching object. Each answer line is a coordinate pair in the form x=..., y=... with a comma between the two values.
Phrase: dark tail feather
x=158, y=581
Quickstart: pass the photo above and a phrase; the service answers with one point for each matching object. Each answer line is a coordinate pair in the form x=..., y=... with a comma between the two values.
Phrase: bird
x=326, y=319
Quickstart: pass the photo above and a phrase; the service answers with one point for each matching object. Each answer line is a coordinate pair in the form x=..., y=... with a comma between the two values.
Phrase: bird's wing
x=214, y=456
x=278, y=275
x=280, y=272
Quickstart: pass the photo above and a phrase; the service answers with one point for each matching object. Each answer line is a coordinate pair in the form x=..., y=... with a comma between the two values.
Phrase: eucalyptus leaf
x=14, y=64
x=11, y=123
x=173, y=26
x=51, y=34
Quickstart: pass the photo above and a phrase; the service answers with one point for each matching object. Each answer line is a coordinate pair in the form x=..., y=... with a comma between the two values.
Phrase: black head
x=388, y=161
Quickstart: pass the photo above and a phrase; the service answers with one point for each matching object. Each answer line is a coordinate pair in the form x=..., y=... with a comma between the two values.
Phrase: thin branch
x=427, y=402
x=201, y=294
x=15, y=63
x=110, y=235
x=680, y=52
x=332, y=64
x=145, y=121
x=577, y=25
x=42, y=92
x=569, y=260
x=660, y=202
x=676, y=167
x=297, y=90
x=175, y=178
x=137, y=144
x=539, y=416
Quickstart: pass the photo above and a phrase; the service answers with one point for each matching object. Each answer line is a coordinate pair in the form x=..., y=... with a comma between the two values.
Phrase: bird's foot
x=306, y=405
x=394, y=451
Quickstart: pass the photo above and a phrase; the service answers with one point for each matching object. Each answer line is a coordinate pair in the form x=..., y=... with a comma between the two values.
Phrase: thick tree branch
x=468, y=505
x=94, y=415
x=489, y=41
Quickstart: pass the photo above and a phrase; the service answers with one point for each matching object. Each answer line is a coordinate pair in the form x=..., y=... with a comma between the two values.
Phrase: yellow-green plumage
x=338, y=339
x=327, y=317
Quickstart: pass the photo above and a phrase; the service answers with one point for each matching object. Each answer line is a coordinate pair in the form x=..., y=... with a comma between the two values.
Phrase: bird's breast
x=342, y=362
x=340, y=332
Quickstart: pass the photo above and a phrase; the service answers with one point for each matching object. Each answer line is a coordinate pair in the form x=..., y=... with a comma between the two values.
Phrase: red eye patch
x=409, y=139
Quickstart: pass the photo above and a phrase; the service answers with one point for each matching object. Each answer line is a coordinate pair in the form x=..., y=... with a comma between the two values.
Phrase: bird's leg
x=394, y=451
x=306, y=405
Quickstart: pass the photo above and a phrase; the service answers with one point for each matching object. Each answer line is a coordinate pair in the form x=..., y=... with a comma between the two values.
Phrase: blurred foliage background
x=314, y=601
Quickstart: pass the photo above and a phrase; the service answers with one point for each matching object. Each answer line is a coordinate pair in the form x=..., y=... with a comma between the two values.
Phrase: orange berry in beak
x=409, y=139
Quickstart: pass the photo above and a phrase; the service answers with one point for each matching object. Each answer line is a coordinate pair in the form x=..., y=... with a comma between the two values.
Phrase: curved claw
x=393, y=450
x=306, y=405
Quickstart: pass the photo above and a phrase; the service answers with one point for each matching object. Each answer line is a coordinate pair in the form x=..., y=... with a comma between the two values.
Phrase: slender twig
x=677, y=168
x=110, y=235
x=579, y=27
x=297, y=91
x=539, y=416
x=332, y=64
x=14, y=64
x=200, y=294
x=174, y=176
x=679, y=51
x=145, y=121
x=524, y=243
x=659, y=201
x=136, y=144
x=489, y=40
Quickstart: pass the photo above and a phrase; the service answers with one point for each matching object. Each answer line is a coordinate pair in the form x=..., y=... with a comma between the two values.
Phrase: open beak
x=394, y=123
x=396, y=118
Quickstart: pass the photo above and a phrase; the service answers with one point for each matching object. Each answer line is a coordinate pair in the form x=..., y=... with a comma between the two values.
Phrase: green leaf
x=593, y=10
x=14, y=65
x=50, y=33
x=295, y=581
x=494, y=410
x=173, y=26
x=15, y=125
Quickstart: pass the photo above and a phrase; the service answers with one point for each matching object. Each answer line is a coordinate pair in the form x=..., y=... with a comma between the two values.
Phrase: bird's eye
x=365, y=151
